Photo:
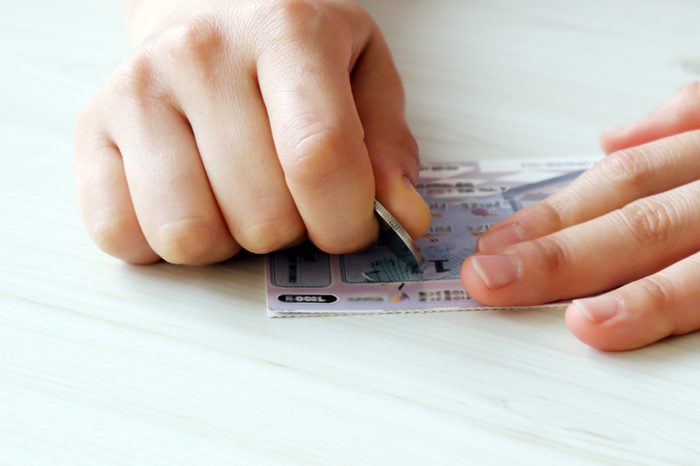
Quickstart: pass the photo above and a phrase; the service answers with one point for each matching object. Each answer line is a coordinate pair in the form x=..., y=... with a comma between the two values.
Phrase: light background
x=102, y=363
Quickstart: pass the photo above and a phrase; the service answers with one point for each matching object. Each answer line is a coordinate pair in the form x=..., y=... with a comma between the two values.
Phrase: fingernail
x=505, y=236
x=599, y=309
x=496, y=271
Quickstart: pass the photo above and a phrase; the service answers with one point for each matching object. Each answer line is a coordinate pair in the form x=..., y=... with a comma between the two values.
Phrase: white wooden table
x=106, y=364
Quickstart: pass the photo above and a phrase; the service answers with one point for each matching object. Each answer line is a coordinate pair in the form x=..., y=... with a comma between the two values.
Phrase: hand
x=632, y=221
x=247, y=124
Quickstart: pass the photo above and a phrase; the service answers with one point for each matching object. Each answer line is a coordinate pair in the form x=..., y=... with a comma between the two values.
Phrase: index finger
x=305, y=83
x=614, y=182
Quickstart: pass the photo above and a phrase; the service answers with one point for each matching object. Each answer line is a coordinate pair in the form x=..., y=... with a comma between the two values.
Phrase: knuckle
x=658, y=290
x=295, y=17
x=552, y=211
x=289, y=21
x=345, y=242
x=317, y=159
x=629, y=168
x=262, y=237
x=186, y=242
x=648, y=221
x=198, y=42
x=111, y=234
x=552, y=254
x=659, y=293
x=137, y=80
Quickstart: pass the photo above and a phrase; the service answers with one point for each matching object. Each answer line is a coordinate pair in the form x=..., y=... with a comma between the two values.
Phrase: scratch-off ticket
x=465, y=200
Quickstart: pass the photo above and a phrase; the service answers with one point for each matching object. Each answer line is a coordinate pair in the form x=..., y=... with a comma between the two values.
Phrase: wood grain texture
x=107, y=364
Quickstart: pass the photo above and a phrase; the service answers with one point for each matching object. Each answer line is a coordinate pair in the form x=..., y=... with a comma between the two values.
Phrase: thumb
x=392, y=149
x=680, y=113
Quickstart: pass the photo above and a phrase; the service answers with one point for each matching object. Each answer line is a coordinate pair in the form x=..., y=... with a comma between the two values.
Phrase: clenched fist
x=246, y=124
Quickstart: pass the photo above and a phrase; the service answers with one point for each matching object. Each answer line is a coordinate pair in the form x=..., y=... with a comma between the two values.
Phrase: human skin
x=246, y=124
x=257, y=123
x=630, y=224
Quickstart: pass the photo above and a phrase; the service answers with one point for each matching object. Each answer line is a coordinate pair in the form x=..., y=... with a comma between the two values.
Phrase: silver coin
x=396, y=238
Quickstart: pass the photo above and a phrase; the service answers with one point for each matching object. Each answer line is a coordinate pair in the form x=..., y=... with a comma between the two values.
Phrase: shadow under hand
x=236, y=285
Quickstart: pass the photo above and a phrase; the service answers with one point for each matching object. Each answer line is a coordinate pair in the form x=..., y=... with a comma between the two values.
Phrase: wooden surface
x=107, y=364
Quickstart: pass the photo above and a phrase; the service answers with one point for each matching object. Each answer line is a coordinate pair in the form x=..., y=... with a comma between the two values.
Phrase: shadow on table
x=548, y=322
x=234, y=284
x=671, y=349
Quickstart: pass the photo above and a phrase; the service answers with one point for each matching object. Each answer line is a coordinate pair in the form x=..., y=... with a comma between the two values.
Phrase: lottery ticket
x=465, y=200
